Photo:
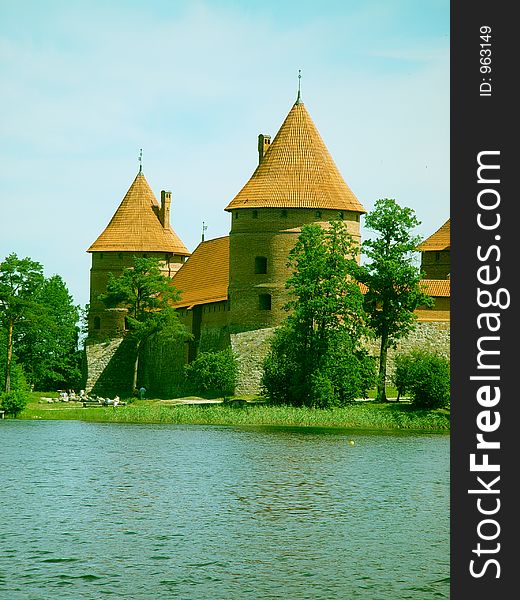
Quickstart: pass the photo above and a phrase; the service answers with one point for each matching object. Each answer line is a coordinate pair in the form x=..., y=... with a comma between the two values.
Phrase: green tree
x=147, y=296
x=20, y=282
x=48, y=346
x=320, y=341
x=213, y=374
x=393, y=282
x=14, y=402
x=425, y=376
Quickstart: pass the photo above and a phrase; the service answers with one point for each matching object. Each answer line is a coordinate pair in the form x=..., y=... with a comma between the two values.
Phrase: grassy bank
x=361, y=415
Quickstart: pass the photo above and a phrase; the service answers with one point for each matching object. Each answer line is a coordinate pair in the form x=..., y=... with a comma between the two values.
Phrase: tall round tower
x=296, y=183
x=140, y=227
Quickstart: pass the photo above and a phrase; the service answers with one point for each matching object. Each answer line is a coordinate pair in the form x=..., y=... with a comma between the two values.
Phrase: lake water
x=215, y=513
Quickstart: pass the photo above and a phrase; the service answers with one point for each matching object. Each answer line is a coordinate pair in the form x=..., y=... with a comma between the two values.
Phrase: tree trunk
x=136, y=366
x=381, y=379
x=9, y=357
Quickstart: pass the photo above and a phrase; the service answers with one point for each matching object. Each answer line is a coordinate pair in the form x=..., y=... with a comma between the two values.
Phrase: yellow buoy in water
x=351, y=442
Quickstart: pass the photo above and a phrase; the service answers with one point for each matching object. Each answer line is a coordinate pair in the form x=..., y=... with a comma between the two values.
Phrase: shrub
x=213, y=373
x=344, y=375
x=425, y=376
x=14, y=402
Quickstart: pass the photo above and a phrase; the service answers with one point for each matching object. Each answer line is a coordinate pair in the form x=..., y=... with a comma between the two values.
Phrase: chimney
x=263, y=144
x=164, y=214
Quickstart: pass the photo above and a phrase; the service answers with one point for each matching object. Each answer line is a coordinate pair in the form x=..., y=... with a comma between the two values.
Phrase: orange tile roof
x=440, y=240
x=297, y=171
x=438, y=288
x=135, y=225
x=204, y=277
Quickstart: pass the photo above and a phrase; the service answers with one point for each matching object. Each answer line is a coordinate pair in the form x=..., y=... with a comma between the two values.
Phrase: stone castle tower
x=140, y=227
x=296, y=183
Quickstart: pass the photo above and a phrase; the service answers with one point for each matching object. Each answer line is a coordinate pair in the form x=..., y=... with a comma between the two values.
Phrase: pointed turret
x=140, y=227
x=297, y=171
x=140, y=224
x=295, y=183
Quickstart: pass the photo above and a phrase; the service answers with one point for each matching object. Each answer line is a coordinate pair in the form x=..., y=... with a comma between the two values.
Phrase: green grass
x=362, y=415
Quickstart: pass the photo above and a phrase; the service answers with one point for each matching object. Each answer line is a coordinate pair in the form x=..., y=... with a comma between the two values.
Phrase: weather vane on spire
x=298, y=99
x=204, y=227
x=140, y=160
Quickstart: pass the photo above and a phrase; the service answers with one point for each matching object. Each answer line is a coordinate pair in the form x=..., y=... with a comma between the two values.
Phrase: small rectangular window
x=264, y=301
x=255, y=214
x=260, y=265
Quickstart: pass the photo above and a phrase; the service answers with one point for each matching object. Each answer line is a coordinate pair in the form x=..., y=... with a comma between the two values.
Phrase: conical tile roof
x=440, y=240
x=297, y=171
x=136, y=227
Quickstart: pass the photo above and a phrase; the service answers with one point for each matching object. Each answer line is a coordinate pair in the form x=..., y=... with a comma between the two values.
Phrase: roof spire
x=298, y=99
x=140, y=160
x=204, y=227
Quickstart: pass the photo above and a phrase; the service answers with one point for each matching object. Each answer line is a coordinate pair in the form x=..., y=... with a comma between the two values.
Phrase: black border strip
x=483, y=123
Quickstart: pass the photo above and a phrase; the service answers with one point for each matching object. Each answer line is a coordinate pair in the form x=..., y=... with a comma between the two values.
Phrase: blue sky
x=85, y=85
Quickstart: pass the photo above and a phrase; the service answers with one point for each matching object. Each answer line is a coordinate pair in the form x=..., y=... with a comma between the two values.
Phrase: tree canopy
x=316, y=356
x=393, y=282
x=39, y=326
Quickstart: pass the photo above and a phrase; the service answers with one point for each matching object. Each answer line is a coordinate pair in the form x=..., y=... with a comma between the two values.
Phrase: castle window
x=357, y=218
x=318, y=214
x=264, y=301
x=236, y=214
x=260, y=265
x=101, y=255
x=284, y=213
x=255, y=214
x=120, y=255
x=97, y=323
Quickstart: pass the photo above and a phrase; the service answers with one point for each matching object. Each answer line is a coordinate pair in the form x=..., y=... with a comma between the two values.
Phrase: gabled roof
x=440, y=240
x=136, y=226
x=204, y=277
x=297, y=171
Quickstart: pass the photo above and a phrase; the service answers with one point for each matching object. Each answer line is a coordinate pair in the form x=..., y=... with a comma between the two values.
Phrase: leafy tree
x=14, y=402
x=320, y=341
x=20, y=282
x=147, y=295
x=213, y=374
x=425, y=376
x=393, y=282
x=48, y=346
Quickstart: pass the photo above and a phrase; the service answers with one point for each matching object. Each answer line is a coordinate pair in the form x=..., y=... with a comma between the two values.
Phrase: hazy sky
x=85, y=84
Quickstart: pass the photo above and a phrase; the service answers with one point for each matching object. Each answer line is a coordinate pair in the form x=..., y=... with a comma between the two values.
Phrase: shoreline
x=368, y=416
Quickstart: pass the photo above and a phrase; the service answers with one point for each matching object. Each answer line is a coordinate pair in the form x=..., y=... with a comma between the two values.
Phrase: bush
x=344, y=375
x=213, y=374
x=14, y=402
x=425, y=376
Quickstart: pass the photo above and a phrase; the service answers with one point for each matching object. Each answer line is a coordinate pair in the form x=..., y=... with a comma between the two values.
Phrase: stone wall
x=250, y=348
x=110, y=367
x=432, y=336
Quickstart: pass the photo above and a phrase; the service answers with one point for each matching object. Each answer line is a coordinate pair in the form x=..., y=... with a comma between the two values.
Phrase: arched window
x=264, y=301
x=260, y=265
x=97, y=323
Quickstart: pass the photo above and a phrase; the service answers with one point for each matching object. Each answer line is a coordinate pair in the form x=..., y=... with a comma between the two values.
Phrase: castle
x=233, y=287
